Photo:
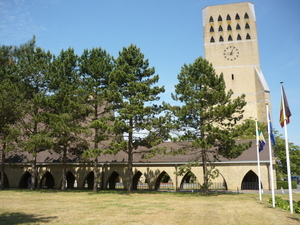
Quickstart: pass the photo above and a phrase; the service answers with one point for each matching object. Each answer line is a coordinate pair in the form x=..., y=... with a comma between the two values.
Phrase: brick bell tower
x=231, y=45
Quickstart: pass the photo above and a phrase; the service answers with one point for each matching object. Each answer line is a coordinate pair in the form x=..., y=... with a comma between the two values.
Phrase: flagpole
x=258, y=161
x=287, y=153
x=271, y=158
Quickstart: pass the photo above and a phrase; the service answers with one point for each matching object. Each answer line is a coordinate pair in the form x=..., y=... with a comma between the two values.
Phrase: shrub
x=285, y=185
x=285, y=204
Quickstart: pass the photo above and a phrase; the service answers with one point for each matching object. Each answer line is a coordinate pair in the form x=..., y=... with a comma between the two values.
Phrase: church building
x=231, y=45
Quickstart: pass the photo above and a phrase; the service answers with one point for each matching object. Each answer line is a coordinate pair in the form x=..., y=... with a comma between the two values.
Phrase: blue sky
x=169, y=33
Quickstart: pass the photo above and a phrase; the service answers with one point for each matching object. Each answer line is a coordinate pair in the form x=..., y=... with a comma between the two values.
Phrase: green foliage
x=246, y=130
x=285, y=185
x=66, y=107
x=280, y=154
x=10, y=54
x=132, y=94
x=285, y=204
x=208, y=115
x=66, y=103
x=12, y=98
x=95, y=68
x=33, y=67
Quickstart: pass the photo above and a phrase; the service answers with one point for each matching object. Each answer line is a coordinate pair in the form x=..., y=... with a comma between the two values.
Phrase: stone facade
x=231, y=45
x=148, y=174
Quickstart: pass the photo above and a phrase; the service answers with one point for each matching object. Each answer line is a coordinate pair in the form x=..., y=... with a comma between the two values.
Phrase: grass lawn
x=118, y=207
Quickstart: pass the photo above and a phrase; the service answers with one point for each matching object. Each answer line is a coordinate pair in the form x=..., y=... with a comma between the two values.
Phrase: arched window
x=211, y=29
x=229, y=38
x=238, y=27
x=211, y=19
x=248, y=37
x=220, y=18
x=212, y=40
x=237, y=17
x=229, y=27
x=239, y=37
x=221, y=38
x=228, y=17
x=247, y=26
x=220, y=28
x=246, y=16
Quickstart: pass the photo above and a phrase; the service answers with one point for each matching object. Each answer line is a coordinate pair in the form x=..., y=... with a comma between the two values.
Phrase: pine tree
x=33, y=68
x=66, y=108
x=132, y=95
x=95, y=68
x=11, y=99
x=208, y=114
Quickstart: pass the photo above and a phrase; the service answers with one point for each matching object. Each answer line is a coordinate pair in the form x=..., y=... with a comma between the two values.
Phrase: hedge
x=285, y=185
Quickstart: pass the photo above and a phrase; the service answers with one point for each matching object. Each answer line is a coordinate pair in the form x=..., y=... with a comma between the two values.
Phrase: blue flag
x=261, y=140
x=271, y=131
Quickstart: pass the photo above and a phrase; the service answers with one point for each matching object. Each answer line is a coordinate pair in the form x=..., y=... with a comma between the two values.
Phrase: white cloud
x=16, y=23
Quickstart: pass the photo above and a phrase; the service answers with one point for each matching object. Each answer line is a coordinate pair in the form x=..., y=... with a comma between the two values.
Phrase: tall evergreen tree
x=95, y=68
x=66, y=108
x=33, y=66
x=132, y=95
x=208, y=114
x=11, y=99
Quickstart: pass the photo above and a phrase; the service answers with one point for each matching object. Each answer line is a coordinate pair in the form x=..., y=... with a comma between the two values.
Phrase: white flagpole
x=287, y=152
x=271, y=159
x=258, y=161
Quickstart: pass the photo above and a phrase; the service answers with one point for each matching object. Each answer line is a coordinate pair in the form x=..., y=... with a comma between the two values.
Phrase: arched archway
x=189, y=182
x=164, y=182
x=25, y=180
x=70, y=180
x=139, y=182
x=114, y=181
x=222, y=185
x=47, y=181
x=250, y=181
x=5, y=180
x=89, y=181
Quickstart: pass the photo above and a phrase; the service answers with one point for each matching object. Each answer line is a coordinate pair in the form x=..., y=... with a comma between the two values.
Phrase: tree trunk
x=205, y=175
x=130, y=159
x=33, y=183
x=102, y=177
x=64, y=172
x=130, y=172
x=95, y=188
x=96, y=147
x=2, y=168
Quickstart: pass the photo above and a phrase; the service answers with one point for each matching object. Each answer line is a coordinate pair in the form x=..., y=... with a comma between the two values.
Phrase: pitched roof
x=52, y=157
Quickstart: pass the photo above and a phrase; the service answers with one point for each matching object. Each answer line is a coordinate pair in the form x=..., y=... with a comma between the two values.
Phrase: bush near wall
x=285, y=185
x=285, y=204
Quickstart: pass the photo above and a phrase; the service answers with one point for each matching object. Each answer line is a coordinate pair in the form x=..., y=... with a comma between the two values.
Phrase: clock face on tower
x=231, y=53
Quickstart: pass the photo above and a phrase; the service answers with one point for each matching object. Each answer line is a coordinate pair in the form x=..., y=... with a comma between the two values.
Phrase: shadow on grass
x=22, y=218
x=153, y=192
x=125, y=192
x=294, y=218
